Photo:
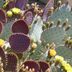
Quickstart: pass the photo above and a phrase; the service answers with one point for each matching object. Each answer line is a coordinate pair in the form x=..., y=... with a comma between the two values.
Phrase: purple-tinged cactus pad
x=10, y=5
x=2, y=55
x=2, y=16
x=32, y=64
x=28, y=17
x=11, y=62
x=19, y=42
x=21, y=4
x=20, y=27
x=43, y=66
x=1, y=27
x=47, y=7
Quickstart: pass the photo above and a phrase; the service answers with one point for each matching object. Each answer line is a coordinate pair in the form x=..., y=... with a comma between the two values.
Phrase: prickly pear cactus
x=49, y=4
x=34, y=47
x=38, y=52
x=12, y=60
x=36, y=29
x=7, y=30
x=69, y=32
x=1, y=3
x=65, y=7
x=54, y=34
x=65, y=52
x=61, y=15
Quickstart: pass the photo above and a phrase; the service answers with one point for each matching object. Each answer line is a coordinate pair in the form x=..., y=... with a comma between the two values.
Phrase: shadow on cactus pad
x=20, y=55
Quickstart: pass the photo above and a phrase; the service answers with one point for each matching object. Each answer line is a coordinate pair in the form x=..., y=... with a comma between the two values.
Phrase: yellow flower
x=67, y=67
x=16, y=10
x=59, y=58
x=1, y=42
x=70, y=70
x=63, y=63
x=52, y=52
x=9, y=13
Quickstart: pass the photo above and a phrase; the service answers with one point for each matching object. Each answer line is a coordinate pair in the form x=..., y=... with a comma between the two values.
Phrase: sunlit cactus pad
x=35, y=36
x=36, y=30
x=61, y=15
x=65, y=52
x=38, y=52
x=69, y=32
x=55, y=35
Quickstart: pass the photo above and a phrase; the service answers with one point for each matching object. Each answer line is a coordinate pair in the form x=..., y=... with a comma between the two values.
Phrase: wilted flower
x=34, y=45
